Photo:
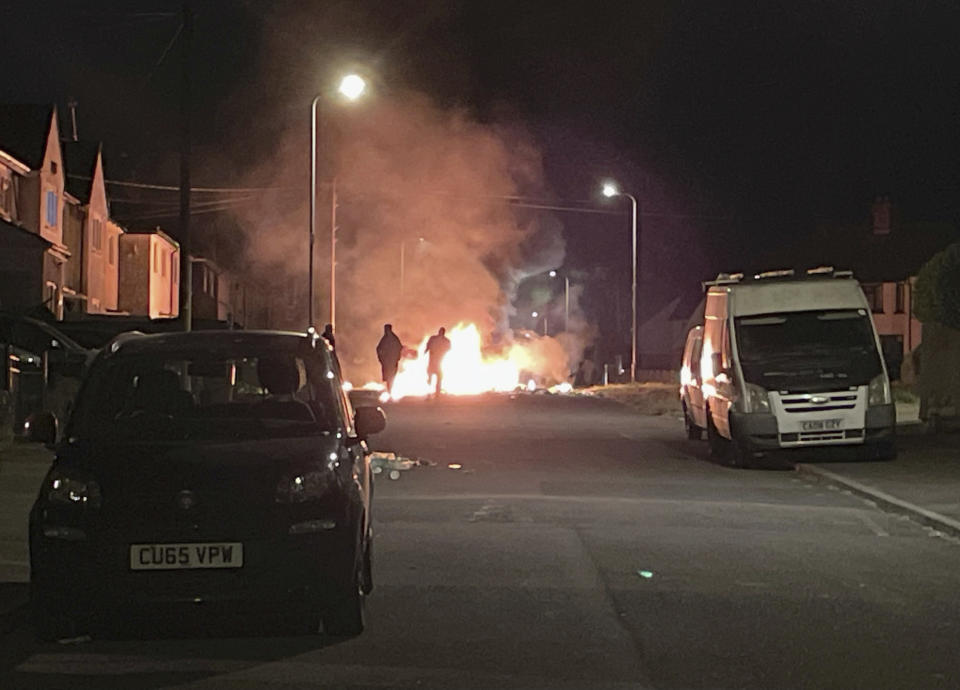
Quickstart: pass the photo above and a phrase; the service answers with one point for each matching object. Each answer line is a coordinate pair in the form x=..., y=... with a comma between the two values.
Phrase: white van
x=691, y=393
x=793, y=361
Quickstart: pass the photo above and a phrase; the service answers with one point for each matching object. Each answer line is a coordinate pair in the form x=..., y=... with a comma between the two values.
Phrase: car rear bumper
x=92, y=576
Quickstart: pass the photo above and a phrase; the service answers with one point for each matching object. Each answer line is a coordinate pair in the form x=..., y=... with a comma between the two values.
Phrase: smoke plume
x=427, y=232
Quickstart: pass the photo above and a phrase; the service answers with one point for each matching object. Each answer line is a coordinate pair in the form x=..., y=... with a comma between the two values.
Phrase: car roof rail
x=114, y=345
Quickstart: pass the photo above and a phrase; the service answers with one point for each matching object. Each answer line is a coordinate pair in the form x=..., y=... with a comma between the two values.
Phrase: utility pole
x=333, y=252
x=186, y=269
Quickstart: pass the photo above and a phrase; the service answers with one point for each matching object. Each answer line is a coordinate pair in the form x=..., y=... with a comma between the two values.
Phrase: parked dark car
x=223, y=468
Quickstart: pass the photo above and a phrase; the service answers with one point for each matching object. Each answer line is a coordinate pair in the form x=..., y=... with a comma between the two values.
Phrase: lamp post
x=351, y=87
x=610, y=190
x=566, y=299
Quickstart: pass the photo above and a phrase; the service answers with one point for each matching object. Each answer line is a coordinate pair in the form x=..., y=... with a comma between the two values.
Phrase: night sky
x=760, y=118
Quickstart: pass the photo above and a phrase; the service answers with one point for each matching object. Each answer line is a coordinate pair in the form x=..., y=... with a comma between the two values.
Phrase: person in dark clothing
x=328, y=335
x=437, y=348
x=389, y=350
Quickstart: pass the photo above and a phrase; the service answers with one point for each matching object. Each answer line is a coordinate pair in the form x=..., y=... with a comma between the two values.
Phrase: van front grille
x=819, y=402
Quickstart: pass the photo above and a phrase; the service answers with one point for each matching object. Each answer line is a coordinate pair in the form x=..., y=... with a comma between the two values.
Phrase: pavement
x=551, y=542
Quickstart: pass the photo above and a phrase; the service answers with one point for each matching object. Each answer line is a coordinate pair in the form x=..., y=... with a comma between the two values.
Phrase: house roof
x=23, y=131
x=892, y=257
x=153, y=231
x=21, y=236
x=80, y=161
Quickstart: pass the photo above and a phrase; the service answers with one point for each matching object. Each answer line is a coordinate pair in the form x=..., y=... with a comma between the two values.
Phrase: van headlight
x=757, y=398
x=879, y=391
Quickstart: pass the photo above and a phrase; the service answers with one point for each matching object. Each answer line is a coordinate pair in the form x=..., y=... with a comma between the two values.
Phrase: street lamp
x=611, y=190
x=351, y=87
x=566, y=299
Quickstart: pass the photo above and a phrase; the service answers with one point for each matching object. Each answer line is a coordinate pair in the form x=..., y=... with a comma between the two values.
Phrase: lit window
x=97, y=234
x=52, y=209
x=874, y=295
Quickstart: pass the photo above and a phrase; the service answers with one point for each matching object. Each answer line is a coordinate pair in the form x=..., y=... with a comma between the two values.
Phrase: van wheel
x=882, y=451
x=694, y=433
x=718, y=444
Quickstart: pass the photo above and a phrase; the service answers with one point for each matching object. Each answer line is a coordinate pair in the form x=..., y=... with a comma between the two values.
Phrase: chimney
x=881, y=215
x=72, y=104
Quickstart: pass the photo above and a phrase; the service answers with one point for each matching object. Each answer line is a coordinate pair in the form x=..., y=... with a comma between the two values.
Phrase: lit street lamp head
x=553, y=274
x=352, y=86
x=535, y=314
x=610, y=189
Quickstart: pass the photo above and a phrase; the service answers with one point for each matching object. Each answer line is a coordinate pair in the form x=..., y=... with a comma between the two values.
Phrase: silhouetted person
x=437, y=348
x=328, y=335
x=389, y=350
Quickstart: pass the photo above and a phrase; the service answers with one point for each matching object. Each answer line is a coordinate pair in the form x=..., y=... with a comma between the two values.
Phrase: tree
x=937, y=296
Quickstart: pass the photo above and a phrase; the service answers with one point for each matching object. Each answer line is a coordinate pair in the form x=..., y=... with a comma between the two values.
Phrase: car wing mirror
x=41, y=427
x=369, y=421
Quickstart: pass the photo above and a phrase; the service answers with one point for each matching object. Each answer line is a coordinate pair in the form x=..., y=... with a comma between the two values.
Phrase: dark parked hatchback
x=216, y=468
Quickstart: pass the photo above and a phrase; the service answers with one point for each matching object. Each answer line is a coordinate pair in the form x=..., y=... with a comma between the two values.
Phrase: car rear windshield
x=207, y=396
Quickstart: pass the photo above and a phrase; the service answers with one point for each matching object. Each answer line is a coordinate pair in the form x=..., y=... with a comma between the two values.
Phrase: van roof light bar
x=723, y=279
x=785, y=273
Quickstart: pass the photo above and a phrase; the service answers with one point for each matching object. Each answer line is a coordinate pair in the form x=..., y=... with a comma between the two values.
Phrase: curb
x=885, y=501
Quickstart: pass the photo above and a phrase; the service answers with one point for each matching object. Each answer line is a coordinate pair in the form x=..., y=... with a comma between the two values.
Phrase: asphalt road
x=581, y=546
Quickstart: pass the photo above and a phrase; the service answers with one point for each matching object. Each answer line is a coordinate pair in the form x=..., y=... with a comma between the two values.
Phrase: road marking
x=872, y=524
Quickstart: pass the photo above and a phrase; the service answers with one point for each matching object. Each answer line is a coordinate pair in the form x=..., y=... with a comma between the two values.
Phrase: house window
x=112, y=256
x=6, y=196
x=53, y=167
x=163, y=264
x=901, y=297
x=52, y=209
x=874, y=295
x=156, y=260
x=97, y=234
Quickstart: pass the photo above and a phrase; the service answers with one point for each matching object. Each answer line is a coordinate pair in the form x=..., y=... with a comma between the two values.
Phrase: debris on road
x=645, y=574
x=392, y=463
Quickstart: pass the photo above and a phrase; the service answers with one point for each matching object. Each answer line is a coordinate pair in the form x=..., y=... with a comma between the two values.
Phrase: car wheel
x=694, y=433
x=344, y=616
x=367, y=581
x=50, y=625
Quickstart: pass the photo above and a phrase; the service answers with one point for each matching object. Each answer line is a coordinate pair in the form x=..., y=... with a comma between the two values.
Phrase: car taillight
x=301, y=488
x=64, y=489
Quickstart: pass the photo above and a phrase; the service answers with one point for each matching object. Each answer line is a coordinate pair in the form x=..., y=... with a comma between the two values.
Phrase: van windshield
x=808, y=349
